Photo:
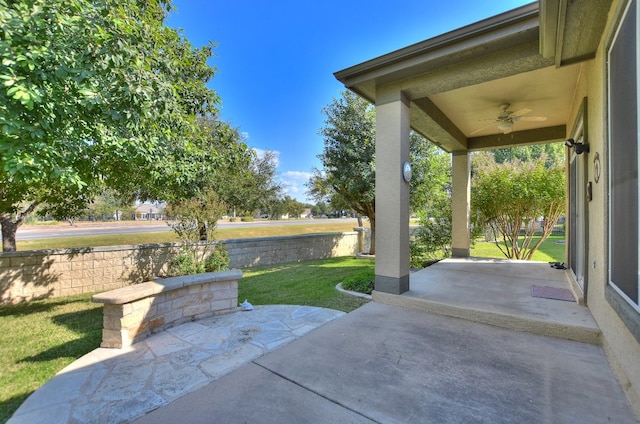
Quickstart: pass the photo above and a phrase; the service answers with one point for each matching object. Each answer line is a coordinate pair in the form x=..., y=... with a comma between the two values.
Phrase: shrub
x=246, y=219
x=362, y=282
x=432, y=239
x=218, y=260
x=186, y=263
x=195, y=221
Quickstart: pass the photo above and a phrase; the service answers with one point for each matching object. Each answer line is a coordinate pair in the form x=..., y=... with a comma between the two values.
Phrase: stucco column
x=460, y=204
x=392, y=192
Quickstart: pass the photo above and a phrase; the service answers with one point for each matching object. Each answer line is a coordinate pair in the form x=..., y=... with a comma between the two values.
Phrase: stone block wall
x=31, y=275
x=276, y=250
x=54, y=273
x=134, y=312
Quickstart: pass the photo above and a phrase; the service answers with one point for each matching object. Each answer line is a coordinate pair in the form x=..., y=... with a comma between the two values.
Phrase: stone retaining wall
x=132, y=313
x=53, y=273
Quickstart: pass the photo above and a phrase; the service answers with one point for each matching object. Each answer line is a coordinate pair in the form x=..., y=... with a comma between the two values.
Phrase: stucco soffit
x=500, y=32
x=428, y=120
x=570, y=31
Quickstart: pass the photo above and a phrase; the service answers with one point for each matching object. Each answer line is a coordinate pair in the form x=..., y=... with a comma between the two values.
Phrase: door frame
x=578, y=207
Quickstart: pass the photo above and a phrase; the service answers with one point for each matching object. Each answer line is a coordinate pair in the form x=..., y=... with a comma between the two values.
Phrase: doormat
x=555, y=293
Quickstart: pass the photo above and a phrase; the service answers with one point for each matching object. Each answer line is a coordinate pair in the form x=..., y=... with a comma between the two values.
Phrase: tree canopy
x=347, y=178
x=94, y=94
x=430, y=200
x=509, y=198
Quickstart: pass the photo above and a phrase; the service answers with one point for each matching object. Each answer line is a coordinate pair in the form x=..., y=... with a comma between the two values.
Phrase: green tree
x=552, y=152
x=319, y=209
x=509, y=198
x=293, y=208
x=347, y=179
x=107, y=205
x=261, y=190
x=430, y=200
x=94, y=94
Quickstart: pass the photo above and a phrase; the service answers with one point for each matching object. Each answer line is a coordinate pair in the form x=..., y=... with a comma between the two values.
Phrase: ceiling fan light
x=505, y=126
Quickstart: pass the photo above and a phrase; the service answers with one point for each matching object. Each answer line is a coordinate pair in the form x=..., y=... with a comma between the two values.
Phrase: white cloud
x=294, y=185
x=261, y=153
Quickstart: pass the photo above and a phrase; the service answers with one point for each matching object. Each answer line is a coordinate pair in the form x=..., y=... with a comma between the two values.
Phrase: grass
x=551, y=250
x=304, y=283
x=169, y=236
x=40, y=338
x=101, y=240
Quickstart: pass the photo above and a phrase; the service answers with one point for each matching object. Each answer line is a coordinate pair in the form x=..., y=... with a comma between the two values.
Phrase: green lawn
x=551, y=250
x=304, y=283
x=169, y=236
x=40, y=338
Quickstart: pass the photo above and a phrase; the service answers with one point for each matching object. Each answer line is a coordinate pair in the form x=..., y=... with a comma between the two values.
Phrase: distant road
x=36, y=232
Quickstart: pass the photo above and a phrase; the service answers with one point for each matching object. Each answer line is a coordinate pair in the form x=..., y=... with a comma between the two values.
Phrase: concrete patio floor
x=498, y=292
x=402, y=363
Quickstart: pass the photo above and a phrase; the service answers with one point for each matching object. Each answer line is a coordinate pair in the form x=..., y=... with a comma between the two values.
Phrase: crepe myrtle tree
x=195, y=221
x=93, y=94
x=508, y=199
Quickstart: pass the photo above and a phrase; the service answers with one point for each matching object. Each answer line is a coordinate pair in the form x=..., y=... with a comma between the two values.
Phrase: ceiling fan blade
x=533, y=118
x=484, y=128
x=521, y=112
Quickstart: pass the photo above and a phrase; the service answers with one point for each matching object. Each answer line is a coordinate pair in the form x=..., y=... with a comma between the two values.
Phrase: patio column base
x=392, y=285
x=460, y=252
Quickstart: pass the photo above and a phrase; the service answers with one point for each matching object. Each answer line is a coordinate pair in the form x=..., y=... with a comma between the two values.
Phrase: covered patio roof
x=528, y=58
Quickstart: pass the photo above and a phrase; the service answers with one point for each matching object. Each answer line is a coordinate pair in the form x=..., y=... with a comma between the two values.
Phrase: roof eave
x=450, y=40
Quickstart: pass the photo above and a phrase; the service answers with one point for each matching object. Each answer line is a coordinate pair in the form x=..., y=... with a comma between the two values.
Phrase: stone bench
x=134, y=312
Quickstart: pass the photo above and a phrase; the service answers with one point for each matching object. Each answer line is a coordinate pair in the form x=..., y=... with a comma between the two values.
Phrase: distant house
x=150, y=211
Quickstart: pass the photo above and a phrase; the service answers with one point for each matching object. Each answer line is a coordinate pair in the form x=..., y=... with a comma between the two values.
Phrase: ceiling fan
x=506, y=119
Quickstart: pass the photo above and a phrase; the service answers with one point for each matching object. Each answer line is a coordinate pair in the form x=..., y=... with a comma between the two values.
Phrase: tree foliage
x=194, y=221
x=553, y=153
x=347, y=178
x=93, y=94
x=107, y=205
x=220, y=160
x=508, y=198
x=430, y=200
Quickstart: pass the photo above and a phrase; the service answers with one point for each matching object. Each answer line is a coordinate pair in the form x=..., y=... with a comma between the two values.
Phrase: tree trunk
x=9, y=229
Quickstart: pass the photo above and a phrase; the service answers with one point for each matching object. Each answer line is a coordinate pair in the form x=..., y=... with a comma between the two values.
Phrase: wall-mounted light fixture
x=579, y=147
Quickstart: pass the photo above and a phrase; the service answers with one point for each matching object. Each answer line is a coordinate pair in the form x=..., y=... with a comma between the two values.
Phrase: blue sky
x=276, y=60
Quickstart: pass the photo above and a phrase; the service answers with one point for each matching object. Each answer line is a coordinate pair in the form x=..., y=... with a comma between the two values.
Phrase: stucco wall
x=54, y=273
x=622, y=348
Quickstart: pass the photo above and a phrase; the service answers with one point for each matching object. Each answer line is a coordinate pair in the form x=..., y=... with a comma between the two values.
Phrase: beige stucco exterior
x=460, y=201
x=622, y=348
x=392, y=197
x=546, y=57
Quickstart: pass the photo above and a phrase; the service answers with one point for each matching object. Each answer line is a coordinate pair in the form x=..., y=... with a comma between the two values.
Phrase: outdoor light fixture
x=579, y=147
x=505, y=126
x=406, y=171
